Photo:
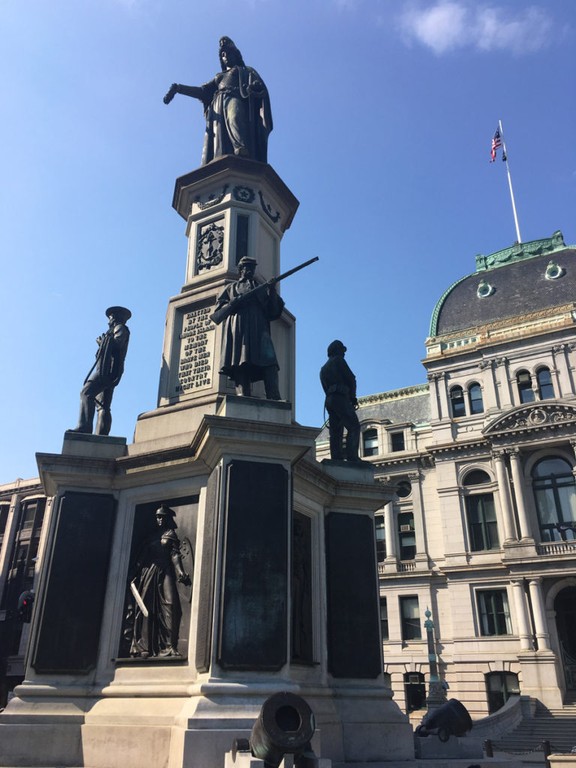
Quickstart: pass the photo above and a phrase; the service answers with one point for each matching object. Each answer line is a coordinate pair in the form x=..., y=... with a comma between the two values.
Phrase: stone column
x=540, y=625
x=414, y=478
x=504, y=493
x=390, y=528
x=521, y=615
x=561, y=370
x=515, y=466
x=489, y=385
x=506, y=399
x=434, y=396
x=443, y=397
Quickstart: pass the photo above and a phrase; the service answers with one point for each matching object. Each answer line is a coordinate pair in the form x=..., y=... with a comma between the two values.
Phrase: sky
x=384, y=111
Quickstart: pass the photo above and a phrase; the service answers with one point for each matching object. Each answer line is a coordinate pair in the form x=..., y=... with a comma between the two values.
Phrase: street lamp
x=436, y=691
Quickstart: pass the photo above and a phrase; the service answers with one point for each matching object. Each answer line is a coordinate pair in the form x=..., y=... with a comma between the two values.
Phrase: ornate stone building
x=482, y=530
x=22, y=508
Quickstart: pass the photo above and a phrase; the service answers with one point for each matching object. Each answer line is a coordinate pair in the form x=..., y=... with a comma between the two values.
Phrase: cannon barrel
x=285, y=726
x=451, y=719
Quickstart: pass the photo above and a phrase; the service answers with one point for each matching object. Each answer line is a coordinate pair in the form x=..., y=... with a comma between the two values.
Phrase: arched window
x=480, y=513
x=545, y=387
x=475, y=398
x=370, y=442
x=457, y=400
x=499, y=687
x=555, y=494
x=525, y=391
x=476, y=477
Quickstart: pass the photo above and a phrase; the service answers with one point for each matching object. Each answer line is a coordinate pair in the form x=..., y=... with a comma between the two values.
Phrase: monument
x=212, y=562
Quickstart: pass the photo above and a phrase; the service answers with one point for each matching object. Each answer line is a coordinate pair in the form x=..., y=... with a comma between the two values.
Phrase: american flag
x=496, y=144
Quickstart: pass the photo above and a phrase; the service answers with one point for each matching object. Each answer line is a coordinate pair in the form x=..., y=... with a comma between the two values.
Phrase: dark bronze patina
x=156, y=608
x=236, y=106
x=105, y=374
x=339, y=385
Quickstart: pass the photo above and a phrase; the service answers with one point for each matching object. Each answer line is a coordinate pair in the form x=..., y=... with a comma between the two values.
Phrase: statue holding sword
x=246, y=307
x=157, y=611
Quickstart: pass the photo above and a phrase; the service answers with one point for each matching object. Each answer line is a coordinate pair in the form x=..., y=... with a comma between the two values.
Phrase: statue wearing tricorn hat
x=105, y=374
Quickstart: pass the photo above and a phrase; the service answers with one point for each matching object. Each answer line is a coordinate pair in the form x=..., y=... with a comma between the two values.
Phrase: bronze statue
x=246, y=307
x=157, y=611
x=105, y=374
x=339, y=385
x=236, y=107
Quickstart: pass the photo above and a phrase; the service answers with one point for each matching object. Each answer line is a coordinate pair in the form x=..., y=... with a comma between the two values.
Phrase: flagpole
x=509, y=181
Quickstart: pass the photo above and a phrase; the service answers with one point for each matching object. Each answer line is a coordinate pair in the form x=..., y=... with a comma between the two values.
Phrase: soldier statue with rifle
x=105, y=374
x=246, y=308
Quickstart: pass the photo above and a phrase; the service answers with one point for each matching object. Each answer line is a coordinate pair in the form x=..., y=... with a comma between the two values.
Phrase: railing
x=557, y=548
x=407, y=566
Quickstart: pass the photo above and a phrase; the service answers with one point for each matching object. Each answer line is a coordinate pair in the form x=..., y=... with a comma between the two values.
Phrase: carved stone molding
x=243, y=194
x=532, y=417
x=275, y=217
x=210, y=246
x=212, y=200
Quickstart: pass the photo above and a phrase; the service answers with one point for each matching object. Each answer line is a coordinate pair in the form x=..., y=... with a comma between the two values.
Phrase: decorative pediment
x=533, y=417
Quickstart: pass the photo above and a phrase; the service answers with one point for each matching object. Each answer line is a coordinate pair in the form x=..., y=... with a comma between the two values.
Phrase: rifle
x=221, y=314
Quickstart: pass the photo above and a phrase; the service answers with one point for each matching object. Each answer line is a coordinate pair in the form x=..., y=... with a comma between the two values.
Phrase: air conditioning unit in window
x=405, y=528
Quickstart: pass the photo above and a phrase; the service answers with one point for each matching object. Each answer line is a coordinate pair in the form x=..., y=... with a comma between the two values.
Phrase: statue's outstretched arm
x=186, y=90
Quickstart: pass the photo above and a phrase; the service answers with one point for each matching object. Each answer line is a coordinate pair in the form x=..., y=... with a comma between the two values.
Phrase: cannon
x=451, y=719
x=285, y=726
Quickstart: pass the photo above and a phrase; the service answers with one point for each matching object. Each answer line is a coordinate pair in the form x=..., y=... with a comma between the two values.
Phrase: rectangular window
x=4, y=510
x=406, y=536
x=397, y=441
x=494, y=612
x=384, y=618
x=482, y=526
x=380, y=538
x=410, y=618
x=370, y=442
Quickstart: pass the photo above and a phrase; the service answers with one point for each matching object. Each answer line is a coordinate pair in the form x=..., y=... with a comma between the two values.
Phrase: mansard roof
x=526, y=277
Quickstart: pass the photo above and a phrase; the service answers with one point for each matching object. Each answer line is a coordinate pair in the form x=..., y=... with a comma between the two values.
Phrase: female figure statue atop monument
x=236, y=106
x=157, y=612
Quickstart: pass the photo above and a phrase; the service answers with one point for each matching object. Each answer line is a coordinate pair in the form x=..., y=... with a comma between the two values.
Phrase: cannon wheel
x=443, y=734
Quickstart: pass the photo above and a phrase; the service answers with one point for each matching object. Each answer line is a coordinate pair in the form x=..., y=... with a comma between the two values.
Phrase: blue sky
x=383, y=115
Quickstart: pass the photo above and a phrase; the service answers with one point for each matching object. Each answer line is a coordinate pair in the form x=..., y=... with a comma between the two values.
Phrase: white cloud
x=448, y=25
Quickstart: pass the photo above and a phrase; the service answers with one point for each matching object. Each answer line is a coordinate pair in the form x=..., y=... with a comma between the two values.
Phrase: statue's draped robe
x=246, y=339
x=238, y=115
x=156, y=584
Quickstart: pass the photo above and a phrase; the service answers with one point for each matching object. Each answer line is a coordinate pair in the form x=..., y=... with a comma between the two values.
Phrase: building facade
x=482, y=532
x=22, y=508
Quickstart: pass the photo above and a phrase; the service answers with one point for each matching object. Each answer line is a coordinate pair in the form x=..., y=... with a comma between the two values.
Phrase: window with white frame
x=380, y=538
x=493, y=612
x=480, y=512
x=544, y=381
x=475, y=401
x=525, y=391
x=457, y=403
x=370, y=442
x=555, y=495
x=410, y=618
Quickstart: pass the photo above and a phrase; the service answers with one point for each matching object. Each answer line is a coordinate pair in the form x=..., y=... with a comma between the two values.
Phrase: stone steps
x=559, y=728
